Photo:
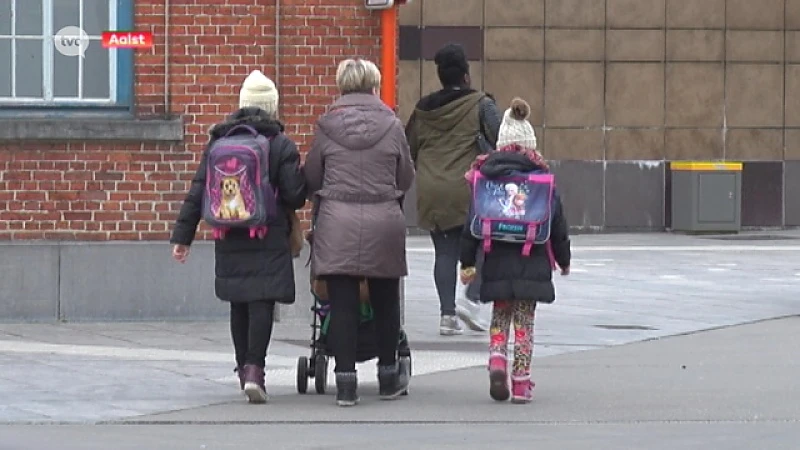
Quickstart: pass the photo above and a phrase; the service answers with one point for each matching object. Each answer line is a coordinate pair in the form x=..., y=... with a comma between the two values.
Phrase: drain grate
x=453, y=346
x=756, y=237
x=626, y=327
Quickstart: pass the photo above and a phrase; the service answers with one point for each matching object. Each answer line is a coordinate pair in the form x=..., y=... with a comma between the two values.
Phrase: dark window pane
x=65, y=75
x=95, y=17
x=66, y=13
x=96, y=72
x=29, y=68
x=29, y=17
x=5, y=69
x=5, y=17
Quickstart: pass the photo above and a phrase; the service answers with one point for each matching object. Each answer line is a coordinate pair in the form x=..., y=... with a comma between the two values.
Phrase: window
x=40, y=75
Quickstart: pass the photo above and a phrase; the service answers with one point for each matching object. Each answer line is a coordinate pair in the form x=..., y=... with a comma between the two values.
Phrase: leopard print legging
x=521, y=313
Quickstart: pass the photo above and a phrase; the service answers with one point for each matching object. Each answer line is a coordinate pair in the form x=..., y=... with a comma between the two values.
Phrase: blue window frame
x=42, y=77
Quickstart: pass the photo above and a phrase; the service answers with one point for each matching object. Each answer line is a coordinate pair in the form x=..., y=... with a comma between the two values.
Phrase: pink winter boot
x=498, y=378
x=522, y=390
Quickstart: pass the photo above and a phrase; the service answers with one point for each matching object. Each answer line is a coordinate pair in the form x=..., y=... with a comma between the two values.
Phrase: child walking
x=517, y=270
x=253, y=265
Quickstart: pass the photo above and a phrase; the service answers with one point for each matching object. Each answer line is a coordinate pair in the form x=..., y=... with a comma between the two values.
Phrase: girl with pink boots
x=517, y=269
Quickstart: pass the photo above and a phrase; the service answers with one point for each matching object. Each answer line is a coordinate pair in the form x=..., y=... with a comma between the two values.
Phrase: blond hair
x=357, y=75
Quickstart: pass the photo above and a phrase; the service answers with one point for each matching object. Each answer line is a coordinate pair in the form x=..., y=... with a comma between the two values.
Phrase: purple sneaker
x=254, y=387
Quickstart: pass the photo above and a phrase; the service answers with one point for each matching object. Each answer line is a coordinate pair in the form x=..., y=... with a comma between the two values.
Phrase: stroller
x=316, y=366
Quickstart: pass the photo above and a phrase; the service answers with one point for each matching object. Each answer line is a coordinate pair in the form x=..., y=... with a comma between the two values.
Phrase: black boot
x=346, y=388
x=391, y=382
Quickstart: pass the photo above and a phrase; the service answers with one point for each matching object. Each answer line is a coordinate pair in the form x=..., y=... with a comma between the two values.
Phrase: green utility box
x=706, y=196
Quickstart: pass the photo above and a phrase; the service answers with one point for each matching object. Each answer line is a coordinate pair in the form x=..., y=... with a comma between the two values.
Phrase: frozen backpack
x=517, y=208
x=238, y=190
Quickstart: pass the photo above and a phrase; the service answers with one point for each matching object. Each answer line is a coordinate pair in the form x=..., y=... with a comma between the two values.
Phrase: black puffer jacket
x=252, y=269
x=508, y=274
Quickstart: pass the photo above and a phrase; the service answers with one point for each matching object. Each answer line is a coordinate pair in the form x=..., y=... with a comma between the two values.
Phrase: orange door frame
x=389, y=56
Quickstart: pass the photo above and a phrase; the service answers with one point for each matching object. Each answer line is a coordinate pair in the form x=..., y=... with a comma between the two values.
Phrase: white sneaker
x=475, y=315
x=449, y=326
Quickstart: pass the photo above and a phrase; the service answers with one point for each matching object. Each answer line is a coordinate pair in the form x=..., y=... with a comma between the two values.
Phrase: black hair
x=451, y=65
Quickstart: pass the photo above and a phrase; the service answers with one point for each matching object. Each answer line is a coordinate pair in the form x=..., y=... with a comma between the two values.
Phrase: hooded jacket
x=446, y=131
x=506, y=273
x=251, y=269
x=358, y=171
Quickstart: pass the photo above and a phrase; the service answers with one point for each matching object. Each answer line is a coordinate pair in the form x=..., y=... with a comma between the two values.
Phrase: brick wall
x=315, y=36
x=132, y=191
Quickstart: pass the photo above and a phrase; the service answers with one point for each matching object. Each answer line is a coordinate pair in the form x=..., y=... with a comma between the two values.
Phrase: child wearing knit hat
x=516, y=273
x=259, y=91
x=253, y=273
x=516, y=135
x=515, y=127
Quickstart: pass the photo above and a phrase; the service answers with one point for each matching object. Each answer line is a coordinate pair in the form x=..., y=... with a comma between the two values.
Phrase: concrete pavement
x=735, y=374
x=732, y=388
x=624, y=436
x=625, y=289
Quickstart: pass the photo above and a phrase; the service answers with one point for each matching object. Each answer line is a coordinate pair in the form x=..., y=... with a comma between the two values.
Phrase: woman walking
x=358, y=170
x=446, y=131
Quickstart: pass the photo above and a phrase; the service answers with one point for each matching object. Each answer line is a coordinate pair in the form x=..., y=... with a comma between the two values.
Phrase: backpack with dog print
x=238, y=190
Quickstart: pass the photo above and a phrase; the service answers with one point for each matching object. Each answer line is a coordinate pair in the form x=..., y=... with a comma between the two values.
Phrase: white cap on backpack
x=515, y=128
x=259, y=91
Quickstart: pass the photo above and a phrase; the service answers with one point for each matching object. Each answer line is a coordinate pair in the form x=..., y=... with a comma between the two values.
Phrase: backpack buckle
x=219, y=233
x=259, y=232
x=530, y=236
x=487, y=236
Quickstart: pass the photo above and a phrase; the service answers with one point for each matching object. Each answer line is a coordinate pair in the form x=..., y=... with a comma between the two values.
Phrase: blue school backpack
x=517, y=208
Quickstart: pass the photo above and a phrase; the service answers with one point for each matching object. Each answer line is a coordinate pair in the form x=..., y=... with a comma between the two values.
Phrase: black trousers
x=251, y=329
x=447, y=252
x=345, y=317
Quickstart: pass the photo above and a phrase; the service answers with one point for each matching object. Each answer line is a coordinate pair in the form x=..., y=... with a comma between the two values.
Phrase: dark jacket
x=507, y=274
x=358, y=170
x=445, y=133
x=252, y=269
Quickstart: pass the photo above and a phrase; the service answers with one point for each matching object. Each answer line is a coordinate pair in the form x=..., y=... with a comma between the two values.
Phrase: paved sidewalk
x=730, y=389
x=624, y=289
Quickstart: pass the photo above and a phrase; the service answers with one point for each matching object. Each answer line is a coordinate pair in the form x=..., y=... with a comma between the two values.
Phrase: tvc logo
x=71, y=41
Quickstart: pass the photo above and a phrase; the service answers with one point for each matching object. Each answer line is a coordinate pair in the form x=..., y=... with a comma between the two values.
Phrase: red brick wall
x=132, y=191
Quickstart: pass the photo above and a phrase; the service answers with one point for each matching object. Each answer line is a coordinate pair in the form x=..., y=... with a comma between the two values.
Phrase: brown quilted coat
x=358, y=171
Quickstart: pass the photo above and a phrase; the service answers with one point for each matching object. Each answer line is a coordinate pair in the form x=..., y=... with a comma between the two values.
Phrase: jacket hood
x=254, y=117
x=445, y=109
x=501, y=164
x=357, y=121
x=442, y=97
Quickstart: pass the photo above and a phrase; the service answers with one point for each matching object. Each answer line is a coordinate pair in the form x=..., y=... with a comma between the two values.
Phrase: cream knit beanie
x=259, y=91
x=515, y=128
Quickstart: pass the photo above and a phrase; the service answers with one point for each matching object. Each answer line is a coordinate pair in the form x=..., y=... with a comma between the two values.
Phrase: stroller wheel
x=321, y=374
x=405, y=367
x=405, y=364
x=302, y=375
